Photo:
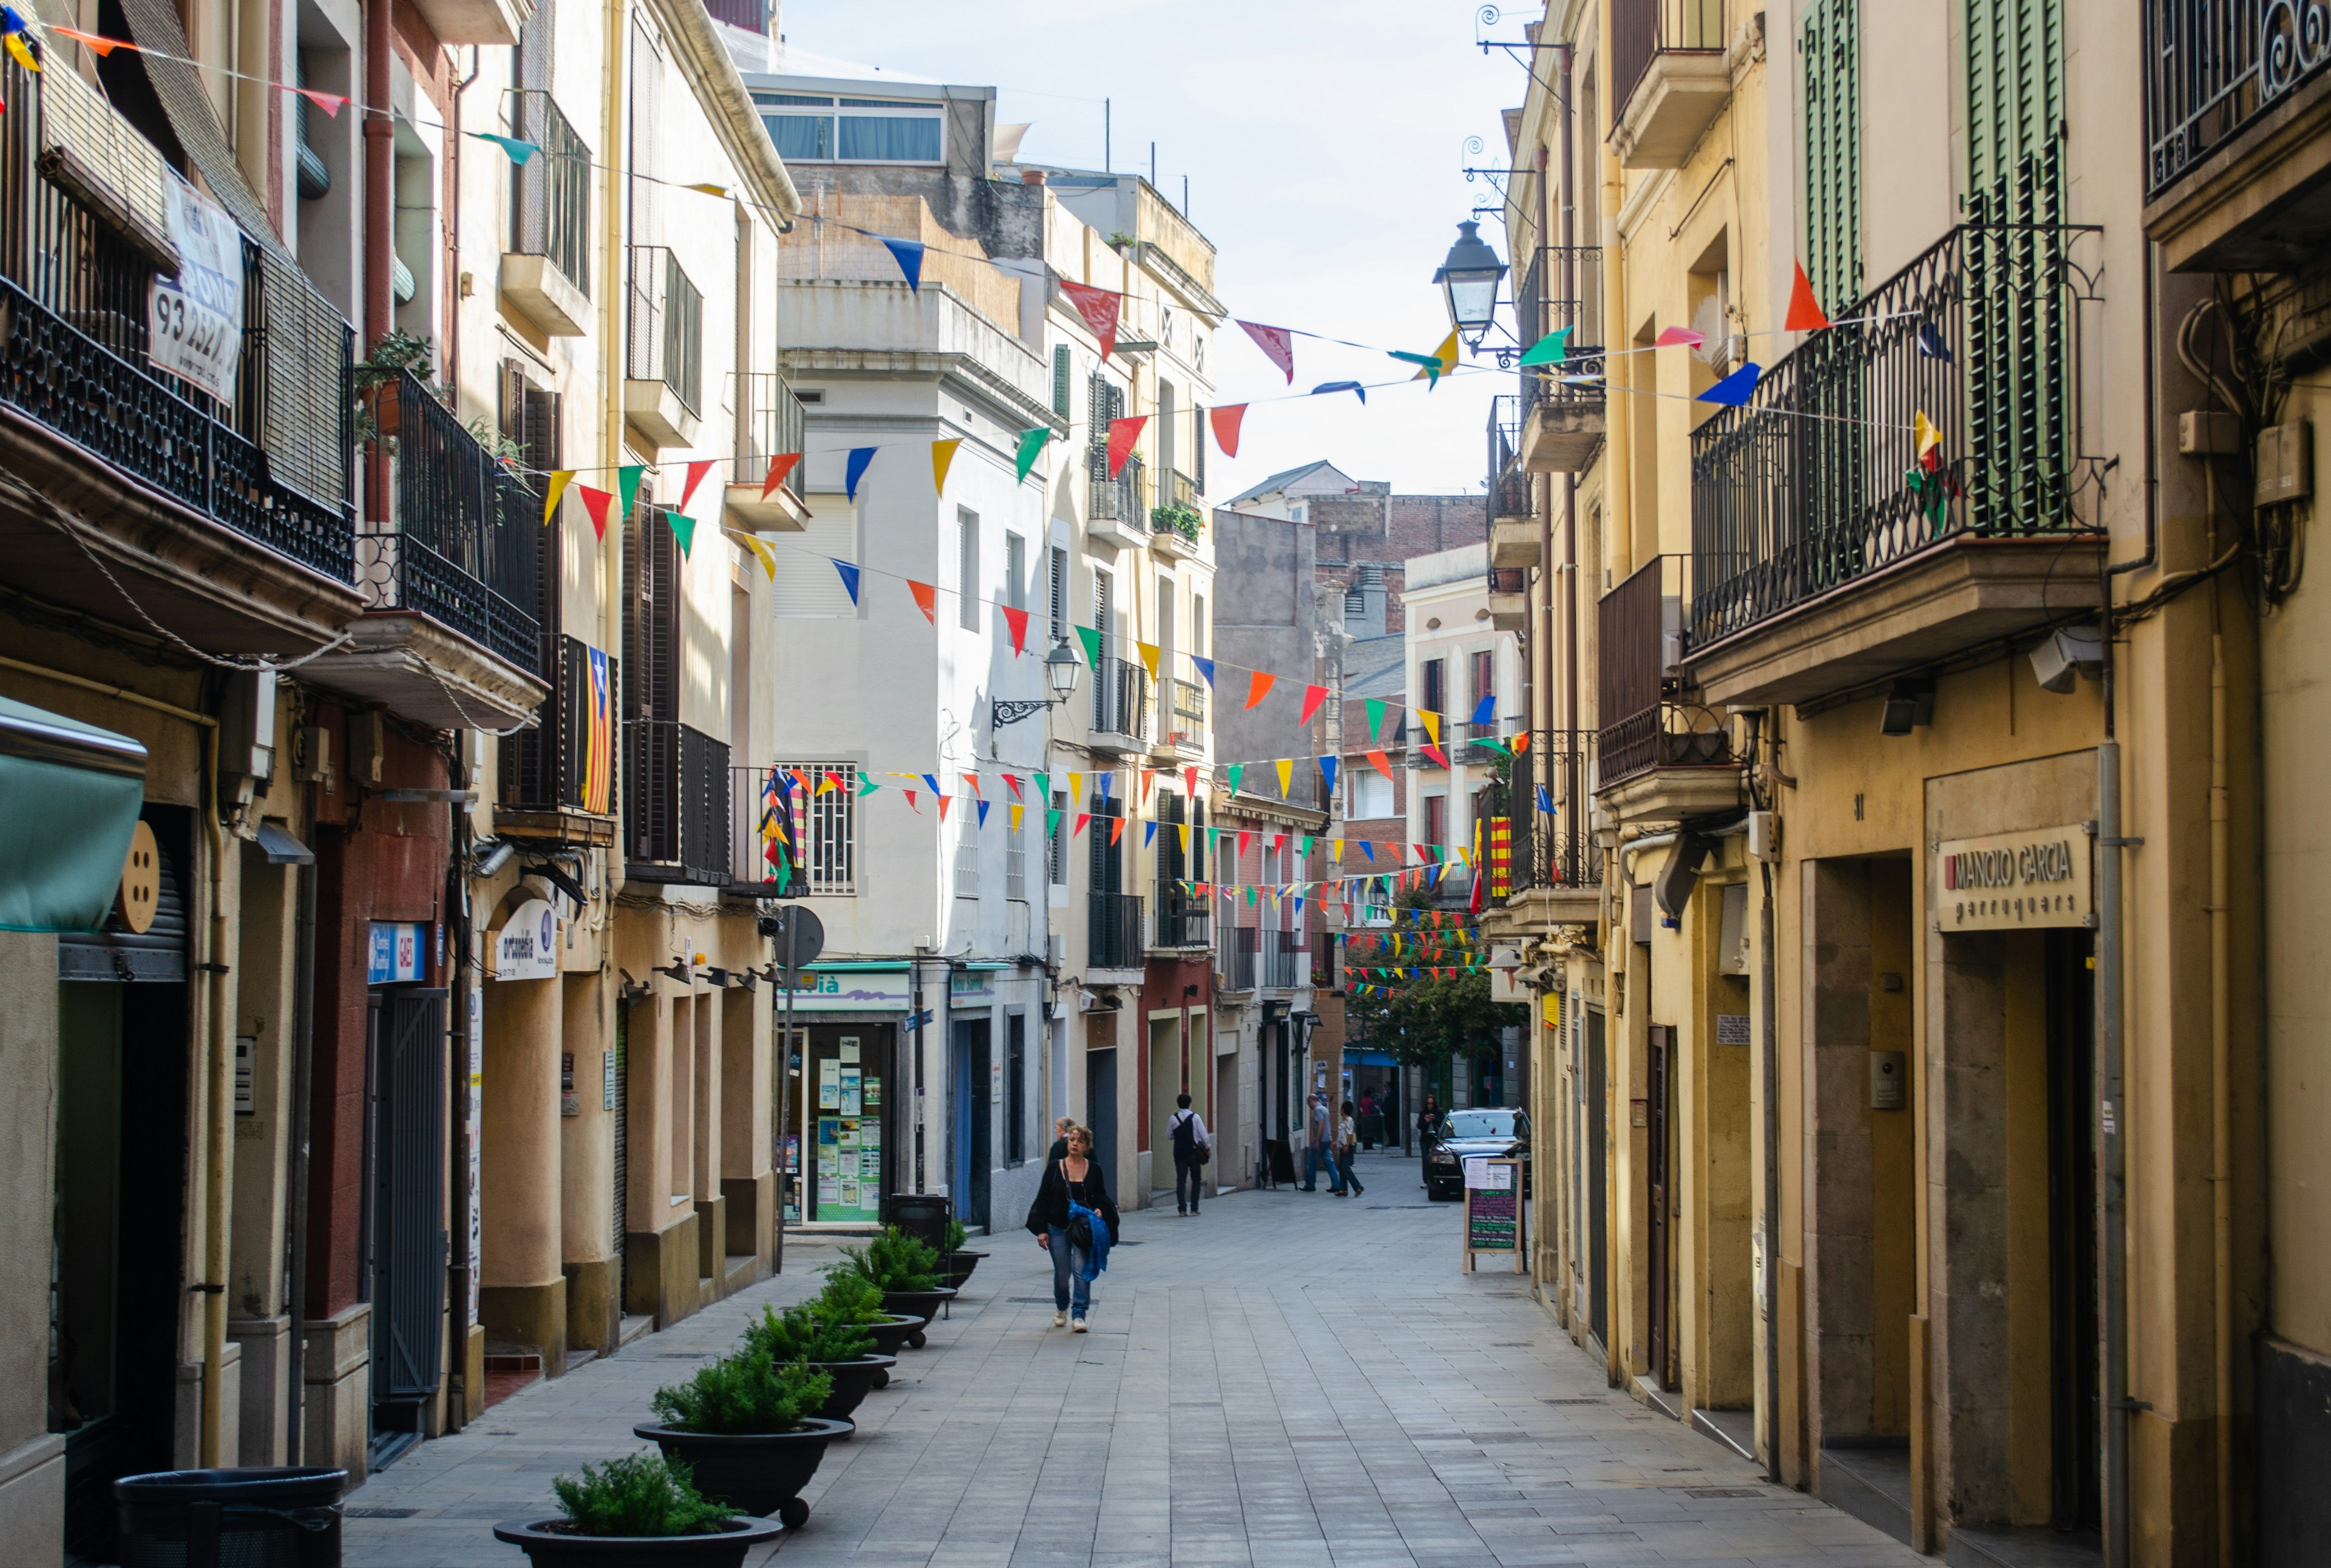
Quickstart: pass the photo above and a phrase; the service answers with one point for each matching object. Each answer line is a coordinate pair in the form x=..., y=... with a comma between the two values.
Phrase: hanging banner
x=196, y=319
x=528, y=946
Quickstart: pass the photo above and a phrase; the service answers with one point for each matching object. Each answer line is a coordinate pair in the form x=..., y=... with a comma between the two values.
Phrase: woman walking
x=1075, y=1220
x=1346, y=1141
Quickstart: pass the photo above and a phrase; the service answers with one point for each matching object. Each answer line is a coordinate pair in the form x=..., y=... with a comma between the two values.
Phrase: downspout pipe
x=218, y=1065
x=2112, y=1196
x=303, y=1082
x=1769, y=1086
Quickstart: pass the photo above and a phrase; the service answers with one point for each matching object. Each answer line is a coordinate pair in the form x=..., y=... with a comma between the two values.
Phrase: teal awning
x=69, y=794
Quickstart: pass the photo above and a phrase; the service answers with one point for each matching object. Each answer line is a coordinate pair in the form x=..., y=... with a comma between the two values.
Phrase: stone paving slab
x=1288, y=1378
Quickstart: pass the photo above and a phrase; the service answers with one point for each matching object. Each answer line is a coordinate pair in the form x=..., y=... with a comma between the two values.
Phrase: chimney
x=1032, y=177
x=1364, y=604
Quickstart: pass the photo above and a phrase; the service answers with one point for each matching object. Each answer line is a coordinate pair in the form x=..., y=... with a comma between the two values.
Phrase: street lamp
x=1061, y=669
x=1468, y=278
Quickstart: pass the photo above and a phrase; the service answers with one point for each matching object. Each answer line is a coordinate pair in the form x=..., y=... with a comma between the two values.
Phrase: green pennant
x=627, y=484
x=1051, y=823
x=1031, y=441
x=1235, y=771
x=1375, y=718
x=866, y=785
x=1044, y=787
x=1551, y=349
x=1214, y=836
x=684, y=529
x=1304, y=847
x=1250, y=896
x=1496, y=746
x=1090, y=638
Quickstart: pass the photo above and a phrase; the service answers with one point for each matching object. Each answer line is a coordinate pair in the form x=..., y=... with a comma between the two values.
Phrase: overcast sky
x=1324, y=144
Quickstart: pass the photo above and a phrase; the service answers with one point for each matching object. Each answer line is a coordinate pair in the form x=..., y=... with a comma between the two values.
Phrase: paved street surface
x=1291, y=1378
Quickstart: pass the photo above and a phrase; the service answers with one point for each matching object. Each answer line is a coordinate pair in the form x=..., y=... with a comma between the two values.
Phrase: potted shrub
x=844, y=1351
x=957, y=1265
x=907, y=1272
x=644, y=1511
x=849, y=1298
x=747, y=1427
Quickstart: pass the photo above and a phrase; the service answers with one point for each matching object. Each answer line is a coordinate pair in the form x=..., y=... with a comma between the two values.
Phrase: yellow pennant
x=1016, y=809
x=1183, y=828
x=1076, y=787
x=1432, y=725
x=761, y=552
x=1150, y=657
x=559, y=478
x=942, y=459
x=1446, y=354
x=1335, y=852
x=1286, y=775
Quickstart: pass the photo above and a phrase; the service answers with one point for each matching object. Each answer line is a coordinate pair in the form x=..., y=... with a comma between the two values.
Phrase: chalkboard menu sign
x=1493, y=1210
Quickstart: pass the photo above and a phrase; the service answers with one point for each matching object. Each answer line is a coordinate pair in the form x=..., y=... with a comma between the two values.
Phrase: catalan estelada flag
x=598, y=738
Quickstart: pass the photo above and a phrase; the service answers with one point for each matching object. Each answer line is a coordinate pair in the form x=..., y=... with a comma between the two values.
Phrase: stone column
x=522, y=1298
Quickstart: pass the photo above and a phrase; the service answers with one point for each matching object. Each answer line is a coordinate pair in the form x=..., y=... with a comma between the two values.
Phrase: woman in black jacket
x=1078, y=1176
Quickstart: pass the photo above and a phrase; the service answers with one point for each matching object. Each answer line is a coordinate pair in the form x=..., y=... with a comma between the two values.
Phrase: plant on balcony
x=396, y=353
x=1175, y=519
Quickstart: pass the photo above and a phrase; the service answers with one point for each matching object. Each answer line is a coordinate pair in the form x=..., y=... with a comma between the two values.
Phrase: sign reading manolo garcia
x=2038, y=877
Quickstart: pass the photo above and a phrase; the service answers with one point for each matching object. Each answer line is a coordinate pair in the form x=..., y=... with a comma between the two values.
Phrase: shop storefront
x=842, y=1099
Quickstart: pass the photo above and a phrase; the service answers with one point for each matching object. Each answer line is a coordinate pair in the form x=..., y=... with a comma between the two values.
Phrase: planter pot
x=926, y=1303
x=758, y=1473
x=547, y=1547
x=890, y=1336
x=853, y=1382
x=958, y=1266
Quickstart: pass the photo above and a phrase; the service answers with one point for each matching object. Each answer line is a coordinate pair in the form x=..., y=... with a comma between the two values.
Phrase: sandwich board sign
x=1494, y=1223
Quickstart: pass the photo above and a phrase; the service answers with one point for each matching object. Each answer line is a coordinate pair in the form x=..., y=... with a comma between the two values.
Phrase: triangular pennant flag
x=1486, y=710
x=696, y=472
x=1115, y=828
x=1432, y=725
x=1234, y=771
x=1805, y=313
x=1204, y=667
x=910, y=801
x=1190, y=782
x=520, y=151
x=945, y=801
x=761, y=553
x=1245, y=837
x=866, y=785
x=932, y=781
x=627, y=484
x=1082, y=818
x=854, y=470
x=1148, y=833
x=1551, y=349
x=1016, y=623
x=1013, y=779
x=908, y=254
x=982, y=812
x=1313, y=696
x=1149, y=651
x=1286, y=766
x=1670, y=336
x=926, y=600
x=1328, y=773
x=779, y=467
x=1736, y=389
x=849, y=577
x=331, y=103
x=1258, y=686
x=1076, y=785
x=1043, y=785
x=1354, y=387
x=1276, y=343
x=559, y=479
x=1375, y=710
x=1225, y=421
x=1930, y=342
x=1090, y=637
x=1543, y=803
x=1122, y=434
x=1031, y=441
x=942, y=459
x=972, y=780
x=596, y=503
x=100, y=47
x=1183, y=829
x=684, y=529
x=1107, y=783
x=1099, y=308
x=1051, y=822
x=1016, y=809
x=1368, y=847
x=1521, y=741
x=1381, y=762
x=1148, y=777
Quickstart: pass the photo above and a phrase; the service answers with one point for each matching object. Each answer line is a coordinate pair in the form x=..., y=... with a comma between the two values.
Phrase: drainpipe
x=2221, y=1123
x=2112, y=1198
x=218, y=1072
x=1769, y=1083
x=303, y=1080
x=380, y=174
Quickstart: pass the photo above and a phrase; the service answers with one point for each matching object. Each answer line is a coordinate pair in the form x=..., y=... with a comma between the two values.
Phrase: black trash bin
x=922, y=1215
x=277, y=1516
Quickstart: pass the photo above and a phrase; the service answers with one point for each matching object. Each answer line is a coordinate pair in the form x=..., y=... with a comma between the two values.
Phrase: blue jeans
x=1314, y=1157
x=1069, y=1282
x=1344, y=1176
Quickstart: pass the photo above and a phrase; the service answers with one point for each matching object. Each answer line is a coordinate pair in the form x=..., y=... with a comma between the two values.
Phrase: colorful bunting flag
x=779, y=467
x=942, y=459
x=559, y=479
x=1286, y=766
x=1551, y=349
x=1016, y=623
x=520, y=151
x=1736, y=389
x=1328, y=773
x=849, y=577
x=1204, y=667
x=926, y=600
x=855, y=469
x=1122, y=434
x=1258, y=686
x=1805, y=313
x=1234, y=771
x=761, y=553
x=1225, y=421
x=1031, y=441
x=908, y=254
x=1276, y=343
x=1090, y=637
x=627, y=484
x=696, y=472
x=684, y=529
x=596, y=503
x=1149, y=651
x=1099, y=308
x=1670, y=336
x=1381, y=762
x=1313, y=696
x=1375, y=711
x=1016, y=809
x=1486, y=710
x=1354, y=387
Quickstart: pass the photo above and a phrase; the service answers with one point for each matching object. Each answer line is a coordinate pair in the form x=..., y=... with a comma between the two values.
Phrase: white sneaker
x=1059, y=1320
x=1079, y=1325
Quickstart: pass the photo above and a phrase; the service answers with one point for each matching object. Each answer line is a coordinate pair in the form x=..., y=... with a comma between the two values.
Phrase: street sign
x=800, y=936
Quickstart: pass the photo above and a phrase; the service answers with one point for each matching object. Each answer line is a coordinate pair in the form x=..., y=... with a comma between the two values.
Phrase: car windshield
x=1484, y=1124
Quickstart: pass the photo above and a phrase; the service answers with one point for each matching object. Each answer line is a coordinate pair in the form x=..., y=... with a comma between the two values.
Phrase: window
x=1056, y=859
x=1016, y=1087
x=1198, y=626
x=812, y=128
x=1369, y=796
x=1830, y=47
x=1016, y=571
x=1015, y=858
x=1433, y=686
x=1436, y=820
x=1485, y=675
x=966, y=576
x=1056, y=592
x=806, y=584
x=967, y=858
x=1062, y=378
x=825, y=825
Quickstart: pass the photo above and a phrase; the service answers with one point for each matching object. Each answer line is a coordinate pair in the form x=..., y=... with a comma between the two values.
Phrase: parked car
x=1500, y=1135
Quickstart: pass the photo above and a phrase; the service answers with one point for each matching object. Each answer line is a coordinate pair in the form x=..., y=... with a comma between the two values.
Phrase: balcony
x=768, y=421
x=448, y=578
x=1184, y=921
x=1661, y=755
x=1120, y=708
x=1669, y=77
x=1514, y=535
x=557, y=779
x=1817, y=568
x=1235, y=962
x=2237, y=133
x=663, y=353
x=475, y=21
x=1181, y=723
x=1554, y=868
x=676, y=805
x=1118, y=511
x=1113, y=935
x=1562, y=405
x=1508, y=598
x=546, y=275
x=1281, y=962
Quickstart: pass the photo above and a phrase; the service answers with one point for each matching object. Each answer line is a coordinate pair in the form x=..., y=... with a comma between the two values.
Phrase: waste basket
x=922, y=1215
x=274, y=1517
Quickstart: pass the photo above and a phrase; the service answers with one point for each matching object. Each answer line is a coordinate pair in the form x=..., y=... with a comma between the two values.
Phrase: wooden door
x=1658, y=1179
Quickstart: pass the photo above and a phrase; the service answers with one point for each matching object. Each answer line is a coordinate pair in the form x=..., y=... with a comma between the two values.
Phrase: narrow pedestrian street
x=1289, y=1378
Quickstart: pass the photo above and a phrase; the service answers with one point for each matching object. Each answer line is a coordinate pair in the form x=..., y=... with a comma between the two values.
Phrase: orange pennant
x=926, y=600
x=1381, y=762
x=1258, y=686
x=100, y=47
x=1115, y=828
x=779, y=467
x=1225, y=421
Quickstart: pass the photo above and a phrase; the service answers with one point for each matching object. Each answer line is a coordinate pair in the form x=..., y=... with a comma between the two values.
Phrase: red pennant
x=1246, y=836
x=596, y=503
x=1805, y=314
x=331, y=103
x=1099, y=308
x=1122, y=434
x=1276, y=343
x=1190, y=782
x=100, y=47
x=779, y=467
x=1226, y=421
x=1258, y=686
x=910, y=801
x=696, y=472
x=926, y=600
x=1013, y=780
x=1082, y=818
x=1313, y=696
x=1016, y=621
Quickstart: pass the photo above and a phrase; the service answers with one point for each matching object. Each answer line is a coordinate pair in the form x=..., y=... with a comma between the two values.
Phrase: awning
x=70, y=794
x=1356, y=1056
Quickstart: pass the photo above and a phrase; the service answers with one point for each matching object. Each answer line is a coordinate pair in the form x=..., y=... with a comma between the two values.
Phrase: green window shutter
x=2015, y=90
x=1829, y=53
x=1060, y=380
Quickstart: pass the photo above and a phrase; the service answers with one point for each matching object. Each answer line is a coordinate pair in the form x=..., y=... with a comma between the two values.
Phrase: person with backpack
x=1193, y=1147
x=1075, y=1220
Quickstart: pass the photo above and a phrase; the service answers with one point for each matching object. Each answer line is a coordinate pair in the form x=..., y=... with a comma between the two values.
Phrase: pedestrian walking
x=1371, y=1122
x=1193, y=1147
x=1075, y=1220
x=1428, y=1122
x=1348, y=1180
x=1061, y=1125
x=1314, y=1136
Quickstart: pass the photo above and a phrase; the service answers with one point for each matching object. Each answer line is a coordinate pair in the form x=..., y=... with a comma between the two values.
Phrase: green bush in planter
x=957, y=1236
x=749, y=1393
x=893, y=1261
x=640, y=1494
x=801, y=1335
x=848, y=1298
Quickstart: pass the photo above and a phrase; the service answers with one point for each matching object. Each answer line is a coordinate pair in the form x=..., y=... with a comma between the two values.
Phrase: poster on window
x=196, y=319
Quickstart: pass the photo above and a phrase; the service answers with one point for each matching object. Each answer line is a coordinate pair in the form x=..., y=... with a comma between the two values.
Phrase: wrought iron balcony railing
x=822, y=858
x=2213, y=66
x=1281, y=964
x=1186, y=723
x=1818, y=480
x=1563, y=286
x=768, y=421
x=1121, y=698
x=1184, y=491
x=1184, y=919
x=1639, y=641
x=459, y=546
x=1119, y=500
x=1113, y=935
x=567, y=761
x=676, y=811
x=665, y=340
x=1643, y=30
x=1549, y=845
x=1234, y=960
x=1508, y=487
x=551, y=192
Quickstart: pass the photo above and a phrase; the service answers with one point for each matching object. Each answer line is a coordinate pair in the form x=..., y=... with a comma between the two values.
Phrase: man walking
x=1193, y=1146
x=1315, y=1132
x=1061, y=1127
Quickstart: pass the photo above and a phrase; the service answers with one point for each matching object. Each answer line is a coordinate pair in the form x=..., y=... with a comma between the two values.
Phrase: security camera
x=2067, y=653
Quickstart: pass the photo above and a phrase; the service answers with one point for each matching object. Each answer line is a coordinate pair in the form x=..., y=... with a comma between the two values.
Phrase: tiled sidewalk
x=1289, y=1378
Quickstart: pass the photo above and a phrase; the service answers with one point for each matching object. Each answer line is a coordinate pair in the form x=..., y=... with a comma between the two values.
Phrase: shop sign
x=396, y=953
x=2037, y=877
x=853, y=991
x=528, y=946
